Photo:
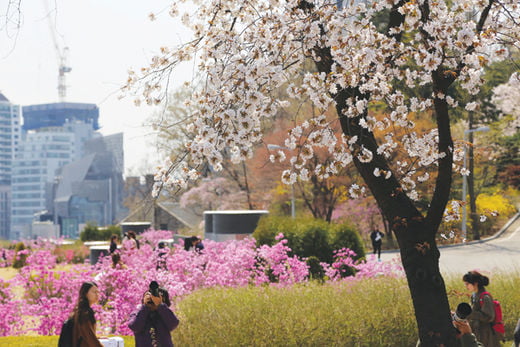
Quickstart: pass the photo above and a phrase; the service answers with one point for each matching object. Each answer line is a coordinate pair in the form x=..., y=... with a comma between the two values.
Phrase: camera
x=154, y=289
x=462, y=312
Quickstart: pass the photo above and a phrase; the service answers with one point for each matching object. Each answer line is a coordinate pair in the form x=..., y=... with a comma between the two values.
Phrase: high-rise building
x=90, y=189
x=57, y=114
x=10, y=122
x=41, y=153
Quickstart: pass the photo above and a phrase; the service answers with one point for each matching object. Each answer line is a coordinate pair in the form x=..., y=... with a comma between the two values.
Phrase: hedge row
x=310, y=237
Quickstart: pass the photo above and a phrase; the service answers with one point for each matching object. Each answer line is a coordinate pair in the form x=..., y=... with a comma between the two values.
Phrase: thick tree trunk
x=414, y=232
x=420, y=258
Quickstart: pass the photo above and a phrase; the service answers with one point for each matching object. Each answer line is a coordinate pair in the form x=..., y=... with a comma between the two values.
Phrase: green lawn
x=44, y=341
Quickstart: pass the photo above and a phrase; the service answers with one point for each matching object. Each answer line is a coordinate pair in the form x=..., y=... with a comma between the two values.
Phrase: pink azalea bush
x=49, y=294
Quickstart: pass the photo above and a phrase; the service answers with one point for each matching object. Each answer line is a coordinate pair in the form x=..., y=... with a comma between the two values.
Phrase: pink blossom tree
x=214, y=194
x=248, y=50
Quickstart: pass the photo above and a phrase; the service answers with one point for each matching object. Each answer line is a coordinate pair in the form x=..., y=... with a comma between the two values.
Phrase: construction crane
x=61, y=54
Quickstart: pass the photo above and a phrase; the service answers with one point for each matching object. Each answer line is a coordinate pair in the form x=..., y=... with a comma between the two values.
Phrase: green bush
x=315, y=269
x=92, y=232
x=309, y=236
x=19, y=259
x=345, y=235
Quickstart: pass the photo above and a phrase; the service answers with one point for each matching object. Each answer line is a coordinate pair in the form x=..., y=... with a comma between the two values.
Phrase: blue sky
x=105, y=39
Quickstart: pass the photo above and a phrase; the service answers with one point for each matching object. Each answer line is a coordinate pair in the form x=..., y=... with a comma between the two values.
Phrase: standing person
x=483, y=310
x=377, y=240
x=113, y=243
x=84, y=329
x=161, y=252
x=132, y=240
x=153, y=320
x=193, y=243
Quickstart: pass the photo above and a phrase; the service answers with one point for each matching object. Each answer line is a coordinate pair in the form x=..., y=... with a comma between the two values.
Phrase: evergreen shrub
x=309, y=236
x=19, y=259
x=92, y=232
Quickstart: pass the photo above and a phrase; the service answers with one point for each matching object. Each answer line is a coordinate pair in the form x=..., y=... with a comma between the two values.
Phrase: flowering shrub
x=49, y=294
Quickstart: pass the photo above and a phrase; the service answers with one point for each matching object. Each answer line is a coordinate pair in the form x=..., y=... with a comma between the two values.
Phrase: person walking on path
x=483, y=311
x=84, y=329
x=377, y=240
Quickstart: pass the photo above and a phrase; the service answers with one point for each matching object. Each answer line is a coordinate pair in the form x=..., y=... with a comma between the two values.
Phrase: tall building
x=10, y=122
x=57, y=114
x=90, y=189
x=41, y=153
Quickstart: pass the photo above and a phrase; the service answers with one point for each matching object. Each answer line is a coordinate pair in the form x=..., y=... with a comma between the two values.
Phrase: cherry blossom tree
x=248, y=50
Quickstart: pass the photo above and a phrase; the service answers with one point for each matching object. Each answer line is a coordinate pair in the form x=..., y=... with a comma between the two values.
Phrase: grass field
x=44, y=341
x=368, y=312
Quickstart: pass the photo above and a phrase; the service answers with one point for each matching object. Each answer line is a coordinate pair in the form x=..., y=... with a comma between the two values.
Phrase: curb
x=495, y=236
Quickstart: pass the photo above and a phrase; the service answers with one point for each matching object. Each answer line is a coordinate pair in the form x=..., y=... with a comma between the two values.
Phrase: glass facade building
x=57, y=114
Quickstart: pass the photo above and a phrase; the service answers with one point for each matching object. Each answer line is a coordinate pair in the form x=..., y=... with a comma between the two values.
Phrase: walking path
x=500, y=252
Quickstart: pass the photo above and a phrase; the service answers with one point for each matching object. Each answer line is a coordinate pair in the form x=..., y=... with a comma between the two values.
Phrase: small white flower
x=471, y=106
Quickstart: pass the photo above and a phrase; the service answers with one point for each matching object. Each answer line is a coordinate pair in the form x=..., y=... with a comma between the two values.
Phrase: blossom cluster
x=248, y=52
x=42, y=295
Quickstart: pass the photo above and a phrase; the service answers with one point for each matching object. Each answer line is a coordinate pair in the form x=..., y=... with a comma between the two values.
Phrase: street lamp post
x=465, y=178
x=271, y=146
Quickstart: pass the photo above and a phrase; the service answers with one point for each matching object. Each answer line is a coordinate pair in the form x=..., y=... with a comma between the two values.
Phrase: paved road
x=501, y=251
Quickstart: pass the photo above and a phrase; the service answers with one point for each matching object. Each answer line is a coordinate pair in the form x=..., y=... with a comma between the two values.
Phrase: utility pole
x=465, y=178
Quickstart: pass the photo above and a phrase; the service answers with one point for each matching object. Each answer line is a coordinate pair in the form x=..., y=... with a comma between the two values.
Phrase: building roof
x=3, y=98
x=185, y=216
x=174, y=209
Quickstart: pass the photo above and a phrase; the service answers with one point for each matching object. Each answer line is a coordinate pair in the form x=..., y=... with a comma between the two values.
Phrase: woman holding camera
x=483, y=311
x=153, y=320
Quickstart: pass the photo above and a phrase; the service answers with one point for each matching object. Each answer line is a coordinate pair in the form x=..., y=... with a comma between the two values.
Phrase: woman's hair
x=476, y=277
x=116, y=258
x=131, y=234
x=83, y=310
x=113, y=237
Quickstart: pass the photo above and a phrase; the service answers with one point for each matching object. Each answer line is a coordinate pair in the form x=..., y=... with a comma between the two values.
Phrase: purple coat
x=142, y=320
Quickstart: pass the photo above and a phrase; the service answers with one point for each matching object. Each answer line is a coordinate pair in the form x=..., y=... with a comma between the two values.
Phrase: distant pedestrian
x=193, y=243
x=483, y=310
x=116, y=261
x=113, y=243
x=161, y=253
x=377, y=240
x=132, y=242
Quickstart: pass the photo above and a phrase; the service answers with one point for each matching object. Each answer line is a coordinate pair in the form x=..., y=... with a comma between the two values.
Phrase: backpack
x=66, y=333
x=498, y=323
